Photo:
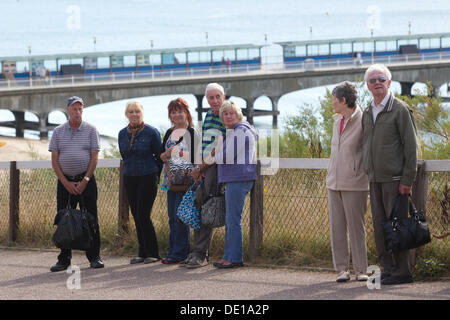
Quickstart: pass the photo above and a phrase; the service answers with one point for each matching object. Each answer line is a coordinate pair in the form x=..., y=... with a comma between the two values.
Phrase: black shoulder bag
x=406, y=233
x=213, y=210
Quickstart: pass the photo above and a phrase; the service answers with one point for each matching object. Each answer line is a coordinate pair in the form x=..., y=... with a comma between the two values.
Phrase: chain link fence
x=295, y=227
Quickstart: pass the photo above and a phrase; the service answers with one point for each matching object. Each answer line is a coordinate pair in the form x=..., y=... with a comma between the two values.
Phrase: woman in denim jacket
x=140, y=147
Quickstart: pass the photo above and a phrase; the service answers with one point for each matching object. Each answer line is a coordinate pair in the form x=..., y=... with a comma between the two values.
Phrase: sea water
x=60, y=26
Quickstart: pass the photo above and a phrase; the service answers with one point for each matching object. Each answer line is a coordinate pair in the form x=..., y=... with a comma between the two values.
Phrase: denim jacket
x=143, y=158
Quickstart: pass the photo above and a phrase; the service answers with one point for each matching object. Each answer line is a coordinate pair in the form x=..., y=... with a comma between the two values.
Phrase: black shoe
x=97, y=264
x=170, y=260
x=151, y=260
x=137, y=260
x=384, y=275
x=393, y=280
x=221, y=265
x=59, y=267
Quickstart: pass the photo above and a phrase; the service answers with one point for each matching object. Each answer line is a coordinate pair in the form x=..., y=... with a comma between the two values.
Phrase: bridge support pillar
x=199, y=98
x=406, y=88
x=20, y=122
x=43, y=125
x=275, y=111
x=436, y=89
x=249, y=109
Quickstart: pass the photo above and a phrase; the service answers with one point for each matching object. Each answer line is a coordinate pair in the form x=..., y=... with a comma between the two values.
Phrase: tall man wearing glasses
x=389, y=159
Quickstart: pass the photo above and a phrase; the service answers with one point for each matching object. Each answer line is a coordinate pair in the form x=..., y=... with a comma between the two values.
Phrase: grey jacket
x=390, y=145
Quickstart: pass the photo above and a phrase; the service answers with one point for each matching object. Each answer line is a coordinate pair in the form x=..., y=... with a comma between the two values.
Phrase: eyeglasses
x=380, y=79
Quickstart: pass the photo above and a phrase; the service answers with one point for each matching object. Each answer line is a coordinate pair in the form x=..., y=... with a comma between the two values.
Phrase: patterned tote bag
x=187, y=211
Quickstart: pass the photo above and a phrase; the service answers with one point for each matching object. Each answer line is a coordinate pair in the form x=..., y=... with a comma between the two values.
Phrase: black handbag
x=406, y=233
x=75, y=228
x=214, y=210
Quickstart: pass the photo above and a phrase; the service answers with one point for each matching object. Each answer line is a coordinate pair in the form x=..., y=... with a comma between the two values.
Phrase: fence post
x=14, y=181
x=419, y=197
x=124, y=214
x=256, y=213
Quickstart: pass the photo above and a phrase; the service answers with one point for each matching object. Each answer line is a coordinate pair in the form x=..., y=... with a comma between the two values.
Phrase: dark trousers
x=203, y=237
x=202, y=242
x=90, y=201
x=382, y=199
x=141, y=193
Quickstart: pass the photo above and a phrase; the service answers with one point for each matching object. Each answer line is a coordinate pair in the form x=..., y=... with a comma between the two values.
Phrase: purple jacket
x=237, y=161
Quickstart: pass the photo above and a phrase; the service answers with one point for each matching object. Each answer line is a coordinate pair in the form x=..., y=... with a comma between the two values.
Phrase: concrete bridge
x=271, y=82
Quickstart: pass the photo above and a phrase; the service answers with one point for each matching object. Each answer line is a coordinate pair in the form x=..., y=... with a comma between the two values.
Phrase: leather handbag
x=75, y=228
x=187, y=211
x=179, y=174
x=405, y=233
x=214, y=210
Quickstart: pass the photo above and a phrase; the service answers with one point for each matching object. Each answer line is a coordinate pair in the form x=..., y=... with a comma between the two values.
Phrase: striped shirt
x=212, y=127
x=74, y=147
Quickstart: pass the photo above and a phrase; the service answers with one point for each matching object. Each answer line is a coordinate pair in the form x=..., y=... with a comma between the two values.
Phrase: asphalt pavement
x=25, y=275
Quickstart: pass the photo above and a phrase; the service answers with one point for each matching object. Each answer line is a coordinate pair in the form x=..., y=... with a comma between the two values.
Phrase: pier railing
x=286, y=213
x=168, y=74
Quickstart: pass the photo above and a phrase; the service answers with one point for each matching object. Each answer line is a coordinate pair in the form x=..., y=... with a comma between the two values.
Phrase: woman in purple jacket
x=236, y=160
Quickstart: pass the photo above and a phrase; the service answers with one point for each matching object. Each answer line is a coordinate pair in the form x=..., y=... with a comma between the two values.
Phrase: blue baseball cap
x=74, y=99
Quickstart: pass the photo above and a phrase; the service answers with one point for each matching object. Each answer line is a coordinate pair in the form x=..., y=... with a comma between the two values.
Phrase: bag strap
x=69, y=203
x=412, y=207
x=82, y=206
x=194, y=187
x=394, y=210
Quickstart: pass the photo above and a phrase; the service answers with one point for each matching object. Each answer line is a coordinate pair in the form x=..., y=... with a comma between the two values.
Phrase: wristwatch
x=87, y=179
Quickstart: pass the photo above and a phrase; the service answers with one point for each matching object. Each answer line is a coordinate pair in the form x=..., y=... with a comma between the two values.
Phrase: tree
x=306, y=128
x=433, y=124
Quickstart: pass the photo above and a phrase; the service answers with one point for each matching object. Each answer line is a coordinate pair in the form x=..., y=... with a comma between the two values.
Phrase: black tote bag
x=407, y=233
x=75, y=228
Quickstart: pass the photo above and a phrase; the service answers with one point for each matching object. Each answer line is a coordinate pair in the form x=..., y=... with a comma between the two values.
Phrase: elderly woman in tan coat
x=347, y=185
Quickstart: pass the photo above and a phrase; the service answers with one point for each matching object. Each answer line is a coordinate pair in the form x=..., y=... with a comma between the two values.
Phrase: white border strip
x=275, y=163
x=294, y=163
x=34, y=164
x=47, y=164
x=437, y=165
x=5, y=165
x=108, y=163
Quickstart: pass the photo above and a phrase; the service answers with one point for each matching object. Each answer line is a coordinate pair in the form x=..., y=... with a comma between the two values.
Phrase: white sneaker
x=343, y=276
x=361, y=277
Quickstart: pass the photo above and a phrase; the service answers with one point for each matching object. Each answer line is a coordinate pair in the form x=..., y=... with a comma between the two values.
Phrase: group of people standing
x=145, y=156
x=372, y=152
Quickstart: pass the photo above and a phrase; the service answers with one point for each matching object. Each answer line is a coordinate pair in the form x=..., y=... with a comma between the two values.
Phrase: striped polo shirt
x=211, y=128
x=74, y=146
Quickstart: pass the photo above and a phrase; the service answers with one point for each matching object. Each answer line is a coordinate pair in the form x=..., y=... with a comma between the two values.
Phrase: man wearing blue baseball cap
x=74, y=146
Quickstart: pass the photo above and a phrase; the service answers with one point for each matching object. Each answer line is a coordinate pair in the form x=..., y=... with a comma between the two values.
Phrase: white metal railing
x=159, y=75
x=279, y=163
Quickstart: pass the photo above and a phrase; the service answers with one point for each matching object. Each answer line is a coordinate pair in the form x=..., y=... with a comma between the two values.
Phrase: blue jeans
x=180, y=235
x=235, y=193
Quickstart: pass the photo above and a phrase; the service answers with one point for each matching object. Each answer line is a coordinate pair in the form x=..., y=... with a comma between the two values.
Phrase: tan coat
x=345, y=170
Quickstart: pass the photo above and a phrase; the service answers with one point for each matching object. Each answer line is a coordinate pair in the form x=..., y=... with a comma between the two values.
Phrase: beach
x=20, y=149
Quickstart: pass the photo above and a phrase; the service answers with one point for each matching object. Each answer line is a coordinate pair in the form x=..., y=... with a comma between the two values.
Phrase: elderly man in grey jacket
x=390, y=160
